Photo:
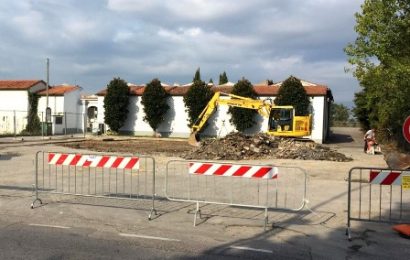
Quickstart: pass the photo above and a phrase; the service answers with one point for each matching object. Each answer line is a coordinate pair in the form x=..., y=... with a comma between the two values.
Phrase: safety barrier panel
x=244, y=185
x=95, y=175
x=378, y=195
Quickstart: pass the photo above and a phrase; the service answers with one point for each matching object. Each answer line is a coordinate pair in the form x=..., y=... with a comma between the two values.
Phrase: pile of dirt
x=237, y=146
x=292, y=149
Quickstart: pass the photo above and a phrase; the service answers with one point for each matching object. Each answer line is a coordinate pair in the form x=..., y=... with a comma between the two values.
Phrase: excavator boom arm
x=233, y=101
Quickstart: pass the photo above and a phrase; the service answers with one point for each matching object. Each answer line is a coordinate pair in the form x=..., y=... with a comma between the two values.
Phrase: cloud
x=90, y=42
x=193, y=10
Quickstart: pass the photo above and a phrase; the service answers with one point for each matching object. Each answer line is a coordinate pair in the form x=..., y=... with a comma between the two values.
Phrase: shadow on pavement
x=338, y=138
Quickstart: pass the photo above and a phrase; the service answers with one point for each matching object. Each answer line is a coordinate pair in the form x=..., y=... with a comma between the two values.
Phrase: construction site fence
x=244, y=185
x=113, y=176
x=14, y=123
x=378, y=195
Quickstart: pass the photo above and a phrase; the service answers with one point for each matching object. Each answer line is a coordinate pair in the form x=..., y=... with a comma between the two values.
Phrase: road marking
x=51, y=226
x=252, y=249
x=149, y=237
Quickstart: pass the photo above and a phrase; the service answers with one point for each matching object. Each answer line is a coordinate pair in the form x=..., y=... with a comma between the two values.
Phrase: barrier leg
x=153, y=210
x=36, y=198
x=266, y=219
x=35, y=186
x=349, y=233
x=197, y=212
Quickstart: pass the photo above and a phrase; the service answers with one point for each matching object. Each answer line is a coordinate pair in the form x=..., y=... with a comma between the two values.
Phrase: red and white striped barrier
x=238, y=170
x=385, y=177
x=98, y=161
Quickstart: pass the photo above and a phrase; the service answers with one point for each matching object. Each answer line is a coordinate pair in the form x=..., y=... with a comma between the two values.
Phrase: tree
x=116, y=104
x=243, y=118
x=339, y=114
x=223, y=78
x=33, y=122
x=380, y=57
x=292, y=93
x=155, y=103
x=211, y=81
x=197, y=76
x=196, y=99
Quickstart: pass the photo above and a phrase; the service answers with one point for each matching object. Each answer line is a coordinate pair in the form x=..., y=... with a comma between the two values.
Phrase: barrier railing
x=95, y=175
x=378, y=195
x=244, y=185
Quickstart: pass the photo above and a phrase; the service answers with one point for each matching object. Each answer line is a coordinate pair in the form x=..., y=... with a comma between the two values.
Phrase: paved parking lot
x=111, y=228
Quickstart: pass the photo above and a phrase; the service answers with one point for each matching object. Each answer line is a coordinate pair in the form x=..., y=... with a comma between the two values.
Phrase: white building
x=14, y=103
x=176, y=123
x=66, y=108
x=90, y=109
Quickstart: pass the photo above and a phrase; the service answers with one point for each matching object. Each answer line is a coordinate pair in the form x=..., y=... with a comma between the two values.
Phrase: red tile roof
x=178, y=91
x=18, y=84
x=261, y=90
x=58, y=90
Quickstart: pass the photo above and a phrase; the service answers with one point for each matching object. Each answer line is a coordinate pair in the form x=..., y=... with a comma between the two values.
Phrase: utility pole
x=48, y=78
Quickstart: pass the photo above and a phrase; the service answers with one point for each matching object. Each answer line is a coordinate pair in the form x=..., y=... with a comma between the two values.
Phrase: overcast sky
x=90, y=42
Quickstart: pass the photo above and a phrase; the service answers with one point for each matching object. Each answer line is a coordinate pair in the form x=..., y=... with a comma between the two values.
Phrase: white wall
x=56, y=103
x=176, y=121
x=14, y=100
x=317, y=119
x=73, y=110
x=100, y=110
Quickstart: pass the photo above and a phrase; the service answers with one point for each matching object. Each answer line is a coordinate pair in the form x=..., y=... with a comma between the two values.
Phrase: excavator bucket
x=399, y=161
x=192, y=139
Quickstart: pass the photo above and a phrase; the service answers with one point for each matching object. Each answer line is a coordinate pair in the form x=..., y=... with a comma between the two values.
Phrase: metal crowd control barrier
x=244, y=185
x=95, y=175
x=378, y=195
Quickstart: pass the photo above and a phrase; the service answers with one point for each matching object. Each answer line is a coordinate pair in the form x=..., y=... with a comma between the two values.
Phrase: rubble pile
x=292, y=149
x=237, y=146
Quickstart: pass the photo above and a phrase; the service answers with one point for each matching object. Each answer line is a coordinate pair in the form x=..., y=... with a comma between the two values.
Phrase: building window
x=92, y=112
x=59, y=120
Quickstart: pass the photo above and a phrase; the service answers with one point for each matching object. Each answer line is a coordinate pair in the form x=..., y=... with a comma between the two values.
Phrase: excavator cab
x=280, y=119
x=283, y=122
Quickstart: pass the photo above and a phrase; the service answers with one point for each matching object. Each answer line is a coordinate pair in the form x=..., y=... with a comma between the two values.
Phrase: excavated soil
x=235, y=146
x=143, y=146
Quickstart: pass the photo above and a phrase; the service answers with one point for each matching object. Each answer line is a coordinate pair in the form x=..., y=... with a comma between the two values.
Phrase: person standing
x=369, y=139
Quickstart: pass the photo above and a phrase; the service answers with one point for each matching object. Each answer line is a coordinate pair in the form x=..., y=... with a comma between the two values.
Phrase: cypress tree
x=197, y=76
x=196, y=99
x=155, y=103
x=223, y=78
x=243, y=118
x=116, y=104
x=292, y=93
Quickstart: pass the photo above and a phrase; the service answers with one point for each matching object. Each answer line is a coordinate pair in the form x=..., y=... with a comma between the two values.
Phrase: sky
x=91, y=42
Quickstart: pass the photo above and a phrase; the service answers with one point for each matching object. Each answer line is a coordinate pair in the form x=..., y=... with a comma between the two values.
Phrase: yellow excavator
x=282, y=119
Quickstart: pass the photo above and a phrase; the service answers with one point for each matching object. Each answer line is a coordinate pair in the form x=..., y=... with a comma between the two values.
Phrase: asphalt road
x=64, y=228
x=21, y=240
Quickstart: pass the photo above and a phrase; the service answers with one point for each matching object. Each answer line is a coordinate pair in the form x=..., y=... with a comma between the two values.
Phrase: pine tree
x=243, y=118
x=292, y=93
x=116, y=104
x=155, y=103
